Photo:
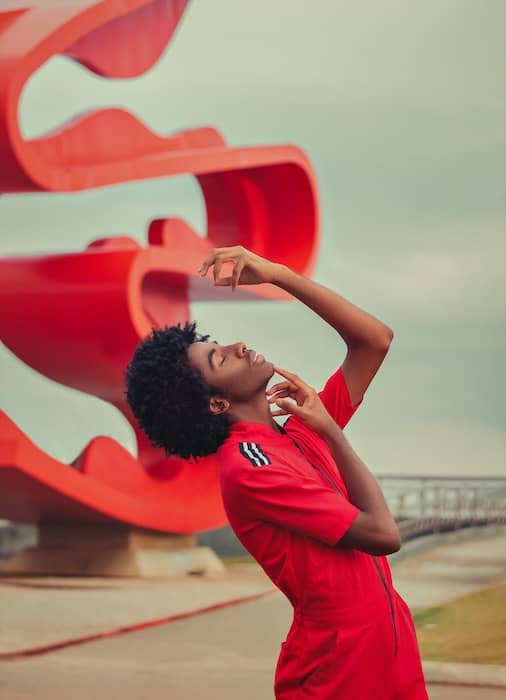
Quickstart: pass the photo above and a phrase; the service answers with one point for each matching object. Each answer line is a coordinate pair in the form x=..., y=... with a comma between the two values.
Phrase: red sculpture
x=77, y=317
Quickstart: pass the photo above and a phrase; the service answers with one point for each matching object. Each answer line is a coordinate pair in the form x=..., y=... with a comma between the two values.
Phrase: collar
x=242, y=428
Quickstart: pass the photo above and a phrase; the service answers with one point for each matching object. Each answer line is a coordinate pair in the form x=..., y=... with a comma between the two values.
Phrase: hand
x=248, y=267
x=306, y=403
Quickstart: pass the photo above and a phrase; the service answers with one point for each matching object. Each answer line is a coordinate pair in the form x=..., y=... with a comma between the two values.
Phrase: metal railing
x=429, y=504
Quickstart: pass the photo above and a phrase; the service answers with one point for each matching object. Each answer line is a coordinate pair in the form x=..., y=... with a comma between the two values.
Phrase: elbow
x=383, y=340
x=387, y=338
x=392, y=542
x=371, y=536
x=391, y=548
x=388, y=540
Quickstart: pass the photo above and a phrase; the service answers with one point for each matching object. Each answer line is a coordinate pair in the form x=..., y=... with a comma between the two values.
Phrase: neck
x=256, y=411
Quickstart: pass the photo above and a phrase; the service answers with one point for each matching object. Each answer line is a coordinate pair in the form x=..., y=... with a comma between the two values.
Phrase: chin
x=269, y=370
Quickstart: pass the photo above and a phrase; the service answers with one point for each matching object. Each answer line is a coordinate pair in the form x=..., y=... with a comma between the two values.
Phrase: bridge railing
x=425, y=504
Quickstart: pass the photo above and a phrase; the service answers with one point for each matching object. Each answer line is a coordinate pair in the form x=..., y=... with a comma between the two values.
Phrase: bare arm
x=355, y=326
x=374, y=530
x=366, y=338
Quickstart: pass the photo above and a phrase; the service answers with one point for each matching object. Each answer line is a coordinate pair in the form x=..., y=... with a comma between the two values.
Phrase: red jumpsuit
x=352, y=635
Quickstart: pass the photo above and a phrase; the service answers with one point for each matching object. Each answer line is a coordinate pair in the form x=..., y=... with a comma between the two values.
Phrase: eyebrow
x=210, y=357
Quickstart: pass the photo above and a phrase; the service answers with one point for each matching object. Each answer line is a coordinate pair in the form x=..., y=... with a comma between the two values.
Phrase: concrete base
x=80, y=550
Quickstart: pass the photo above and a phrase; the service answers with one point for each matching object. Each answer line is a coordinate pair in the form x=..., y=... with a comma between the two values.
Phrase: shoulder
x=238, y=454
x=242, y=462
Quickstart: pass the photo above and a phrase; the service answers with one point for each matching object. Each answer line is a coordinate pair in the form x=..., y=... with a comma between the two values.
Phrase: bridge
x=430, y=504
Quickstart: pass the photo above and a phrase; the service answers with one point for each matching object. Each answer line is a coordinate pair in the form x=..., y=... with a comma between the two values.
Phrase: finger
x=224, y=254
x=206, y=263
x=279, y=413
x=224, y=282
x=228, y=250
x=278, y=395
x=236, y=274
x=284, y=372
x=286, y=405
x=218, y=264
x=290, y=376
x=278, y=387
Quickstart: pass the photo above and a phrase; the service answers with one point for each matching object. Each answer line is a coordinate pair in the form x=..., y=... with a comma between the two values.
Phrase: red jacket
x=352, y=636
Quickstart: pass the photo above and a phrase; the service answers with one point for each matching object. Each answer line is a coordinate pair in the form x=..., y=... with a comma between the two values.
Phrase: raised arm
x=366, y=338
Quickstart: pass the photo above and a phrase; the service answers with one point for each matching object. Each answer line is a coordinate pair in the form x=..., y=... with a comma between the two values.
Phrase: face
x=239, y=372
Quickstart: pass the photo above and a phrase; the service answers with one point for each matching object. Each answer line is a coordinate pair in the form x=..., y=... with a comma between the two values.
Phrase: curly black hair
x=169, y=398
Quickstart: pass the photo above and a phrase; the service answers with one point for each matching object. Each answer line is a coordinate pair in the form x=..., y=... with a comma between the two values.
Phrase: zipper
x=376, y=564
x=318, y=469
x=390, y=602
x=326, y=476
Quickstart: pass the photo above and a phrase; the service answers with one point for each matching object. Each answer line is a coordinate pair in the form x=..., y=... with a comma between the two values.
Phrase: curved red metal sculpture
x=57, y=311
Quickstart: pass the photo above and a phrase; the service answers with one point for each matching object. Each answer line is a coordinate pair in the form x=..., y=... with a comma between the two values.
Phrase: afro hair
x=169, y=398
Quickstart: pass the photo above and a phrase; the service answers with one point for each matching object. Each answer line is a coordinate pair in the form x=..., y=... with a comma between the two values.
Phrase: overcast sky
x=400, y=106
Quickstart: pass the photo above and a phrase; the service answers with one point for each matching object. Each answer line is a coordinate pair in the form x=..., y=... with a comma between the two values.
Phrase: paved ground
x=451, y=569
x=223, y=655
x=41, y=611
x=227, y=654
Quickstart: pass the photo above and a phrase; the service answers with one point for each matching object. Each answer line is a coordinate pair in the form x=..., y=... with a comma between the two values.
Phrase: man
x=298, y=497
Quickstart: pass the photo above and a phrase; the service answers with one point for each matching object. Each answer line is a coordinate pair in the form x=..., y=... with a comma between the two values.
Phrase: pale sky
x=400, y=106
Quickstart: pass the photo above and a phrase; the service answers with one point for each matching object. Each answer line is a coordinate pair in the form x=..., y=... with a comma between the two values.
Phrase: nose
x=240, y=349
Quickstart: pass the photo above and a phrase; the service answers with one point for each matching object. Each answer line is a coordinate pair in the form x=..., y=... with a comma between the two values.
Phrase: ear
x=218, y=405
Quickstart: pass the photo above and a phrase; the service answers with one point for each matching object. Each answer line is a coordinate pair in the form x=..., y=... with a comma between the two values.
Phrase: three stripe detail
x=254, y=454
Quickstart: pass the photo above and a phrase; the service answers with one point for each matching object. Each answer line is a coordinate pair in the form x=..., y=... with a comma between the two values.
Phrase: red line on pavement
x=33, y=651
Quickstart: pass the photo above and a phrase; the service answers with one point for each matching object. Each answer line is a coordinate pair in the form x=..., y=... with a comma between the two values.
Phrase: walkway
x=222, y=655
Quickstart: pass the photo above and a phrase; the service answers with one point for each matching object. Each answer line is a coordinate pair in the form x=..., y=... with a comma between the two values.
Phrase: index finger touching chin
x=285, y=373
x=294, y=378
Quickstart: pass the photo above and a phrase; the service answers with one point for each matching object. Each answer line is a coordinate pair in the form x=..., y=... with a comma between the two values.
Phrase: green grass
x=240, y=559
x=470, y=629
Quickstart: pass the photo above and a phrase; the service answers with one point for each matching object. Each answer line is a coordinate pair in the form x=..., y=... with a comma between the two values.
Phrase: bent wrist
x=281, y=274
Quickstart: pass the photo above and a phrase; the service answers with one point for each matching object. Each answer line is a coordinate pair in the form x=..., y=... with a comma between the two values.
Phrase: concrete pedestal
x=94, y=550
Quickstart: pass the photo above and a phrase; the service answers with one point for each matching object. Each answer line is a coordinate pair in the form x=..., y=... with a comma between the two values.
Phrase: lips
x=254, y=358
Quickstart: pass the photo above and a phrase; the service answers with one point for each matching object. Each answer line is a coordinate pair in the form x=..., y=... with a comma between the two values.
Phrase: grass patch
x=471, y=629
x=239, y=559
